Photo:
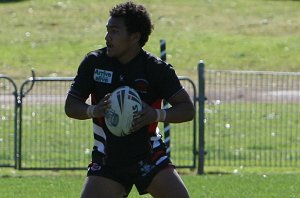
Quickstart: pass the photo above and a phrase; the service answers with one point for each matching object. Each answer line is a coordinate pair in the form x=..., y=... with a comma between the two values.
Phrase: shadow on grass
x=11, y=1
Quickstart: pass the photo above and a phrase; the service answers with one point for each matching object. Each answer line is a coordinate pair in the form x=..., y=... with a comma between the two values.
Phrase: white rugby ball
x=125, y=103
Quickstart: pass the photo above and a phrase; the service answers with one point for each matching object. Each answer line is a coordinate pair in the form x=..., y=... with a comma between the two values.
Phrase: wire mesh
x=7, y=122
x=252, y=118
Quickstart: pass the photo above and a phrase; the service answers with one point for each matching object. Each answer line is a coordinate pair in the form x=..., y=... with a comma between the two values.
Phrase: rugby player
x=140, y=158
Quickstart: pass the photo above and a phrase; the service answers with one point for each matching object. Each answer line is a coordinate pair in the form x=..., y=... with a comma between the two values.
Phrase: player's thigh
x=97, y=186
x=167, y=183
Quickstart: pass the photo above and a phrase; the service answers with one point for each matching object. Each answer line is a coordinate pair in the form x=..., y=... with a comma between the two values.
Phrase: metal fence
x=252, y=119
x=51, y=140
x=183, y=142
x=48, y=138
x=8, y=120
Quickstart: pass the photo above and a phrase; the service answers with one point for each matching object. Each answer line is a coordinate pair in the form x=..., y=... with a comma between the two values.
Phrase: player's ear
x=136, y=36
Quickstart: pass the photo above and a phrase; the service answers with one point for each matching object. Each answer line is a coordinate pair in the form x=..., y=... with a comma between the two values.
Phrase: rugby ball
x=125, y=103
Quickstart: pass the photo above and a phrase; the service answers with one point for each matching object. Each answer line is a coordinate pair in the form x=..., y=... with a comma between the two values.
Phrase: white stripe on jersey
x=99, y=131
x=157, y=135
x=100, y=146
x=155, y=144
x=161, y=159
x=155, y=139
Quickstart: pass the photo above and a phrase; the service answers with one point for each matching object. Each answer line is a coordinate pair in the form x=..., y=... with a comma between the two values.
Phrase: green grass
x=69, y=184
x=252, y=134
x=53, y=36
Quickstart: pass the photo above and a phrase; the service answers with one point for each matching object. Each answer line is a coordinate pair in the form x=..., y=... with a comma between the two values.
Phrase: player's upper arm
x=183, y=105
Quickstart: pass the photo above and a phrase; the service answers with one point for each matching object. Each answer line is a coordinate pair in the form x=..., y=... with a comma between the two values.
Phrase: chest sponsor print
x=103, y=76
x=141, y=85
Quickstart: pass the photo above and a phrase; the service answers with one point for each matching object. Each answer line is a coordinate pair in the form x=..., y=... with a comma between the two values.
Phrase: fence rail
x=51, y=140
x=249, y=119
x=48, y=138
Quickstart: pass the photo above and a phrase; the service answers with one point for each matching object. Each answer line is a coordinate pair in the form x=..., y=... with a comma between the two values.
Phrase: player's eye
x=112, y=30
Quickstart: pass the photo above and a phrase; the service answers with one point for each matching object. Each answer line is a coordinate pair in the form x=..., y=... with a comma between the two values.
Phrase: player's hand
x=102, y=106
x=144, y=117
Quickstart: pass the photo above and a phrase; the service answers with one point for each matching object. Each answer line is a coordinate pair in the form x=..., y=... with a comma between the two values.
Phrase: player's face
x=118, y=41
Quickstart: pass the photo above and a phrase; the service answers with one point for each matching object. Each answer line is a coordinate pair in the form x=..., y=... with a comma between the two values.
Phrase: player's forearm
x=180, y=113
x=75, y=108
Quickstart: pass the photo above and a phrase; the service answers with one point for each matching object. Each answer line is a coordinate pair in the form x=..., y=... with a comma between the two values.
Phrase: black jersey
x=152, y=78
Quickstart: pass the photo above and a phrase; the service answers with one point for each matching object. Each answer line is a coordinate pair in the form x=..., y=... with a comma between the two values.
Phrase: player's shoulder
x=154, y=61
x=151, y=58
x=98, y=54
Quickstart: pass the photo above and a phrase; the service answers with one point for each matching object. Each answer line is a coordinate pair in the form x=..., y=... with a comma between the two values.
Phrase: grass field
x=53, y=36
x=240, y=185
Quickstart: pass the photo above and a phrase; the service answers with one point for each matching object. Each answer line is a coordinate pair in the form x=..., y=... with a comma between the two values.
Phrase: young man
x=140, y=158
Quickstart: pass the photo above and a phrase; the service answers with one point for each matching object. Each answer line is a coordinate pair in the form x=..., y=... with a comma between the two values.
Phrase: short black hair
x=136, y=19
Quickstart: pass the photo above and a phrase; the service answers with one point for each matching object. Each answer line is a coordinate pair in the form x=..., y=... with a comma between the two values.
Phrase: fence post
x=163, y=56
x=20, y=107
x=17, y=135
x=201, y=100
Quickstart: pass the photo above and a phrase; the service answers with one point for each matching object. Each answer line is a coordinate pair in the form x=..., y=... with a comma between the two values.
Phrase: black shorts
x=139, y=174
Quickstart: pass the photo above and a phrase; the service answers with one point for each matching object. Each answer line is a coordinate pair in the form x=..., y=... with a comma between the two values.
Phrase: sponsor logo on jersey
x=141, y=85
x=103, y=76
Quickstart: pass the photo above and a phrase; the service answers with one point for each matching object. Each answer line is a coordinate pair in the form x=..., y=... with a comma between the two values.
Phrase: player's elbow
x=68, y=109
x=190, y=115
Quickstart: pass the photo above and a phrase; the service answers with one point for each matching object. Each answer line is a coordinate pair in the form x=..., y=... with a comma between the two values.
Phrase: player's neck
x=131, y=54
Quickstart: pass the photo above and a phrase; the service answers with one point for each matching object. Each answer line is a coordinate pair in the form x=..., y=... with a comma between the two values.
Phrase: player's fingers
x=107, y=96
x=139, y=122
x=103, y=105
x=146, y=117
x=105, y=102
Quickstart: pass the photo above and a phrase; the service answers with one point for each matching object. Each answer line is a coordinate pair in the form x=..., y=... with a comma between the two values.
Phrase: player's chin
x=110, y=54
